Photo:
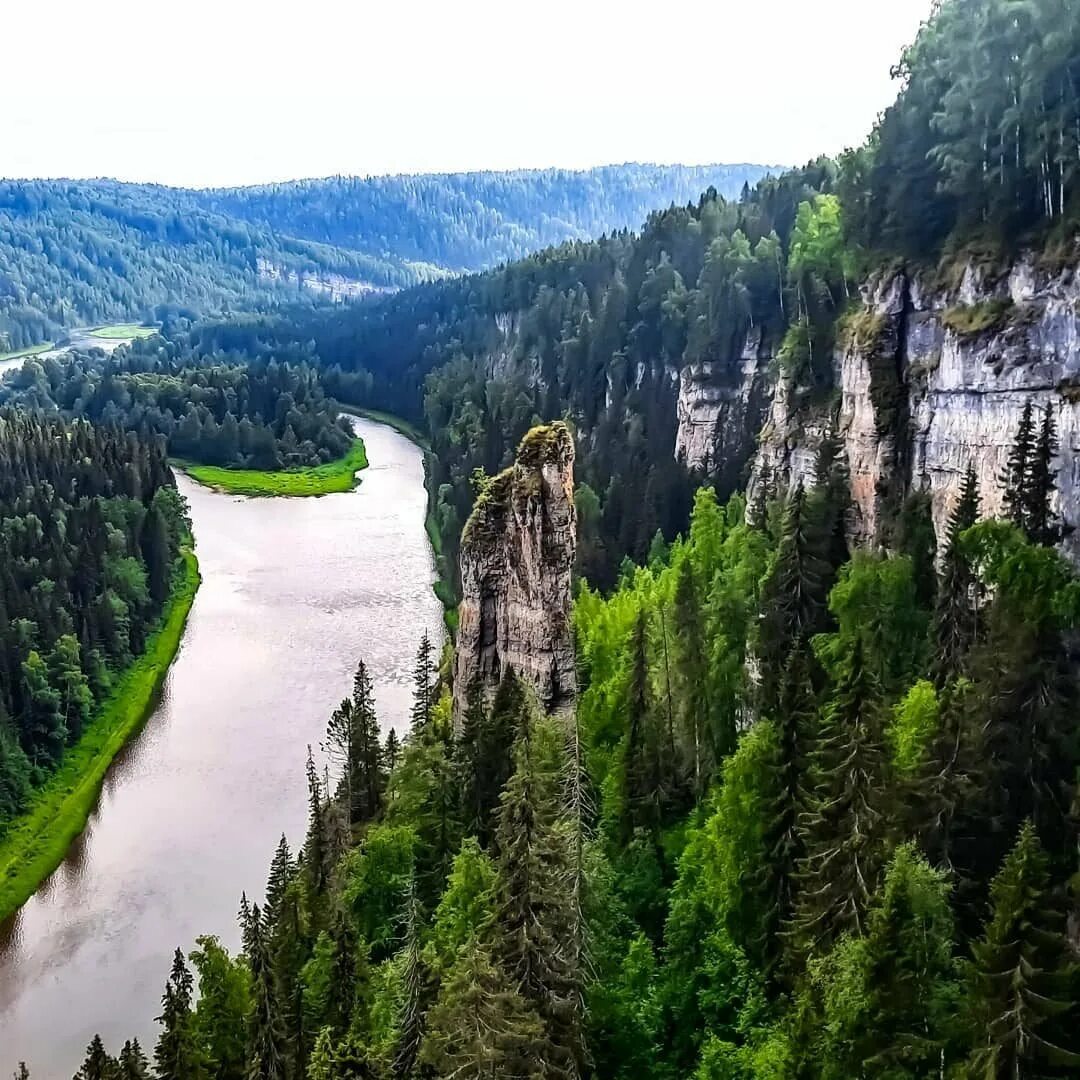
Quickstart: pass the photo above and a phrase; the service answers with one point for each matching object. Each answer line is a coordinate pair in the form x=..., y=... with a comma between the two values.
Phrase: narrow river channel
x=294, y=592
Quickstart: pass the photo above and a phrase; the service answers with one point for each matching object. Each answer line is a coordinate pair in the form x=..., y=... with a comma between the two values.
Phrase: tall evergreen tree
x=533, y=917
x=955, y=612
x=267, y=1053
x=98, y=1065
x=842, y=830
x=415, y=978
x=177, y=1056
x=424, y=687
x=1042, y=526
x=1017, y=476
x=132, y=1062
x=1022, y=991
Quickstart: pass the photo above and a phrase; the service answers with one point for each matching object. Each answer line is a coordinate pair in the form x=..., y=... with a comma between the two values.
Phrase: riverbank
x=37, y=843
x=334, y=476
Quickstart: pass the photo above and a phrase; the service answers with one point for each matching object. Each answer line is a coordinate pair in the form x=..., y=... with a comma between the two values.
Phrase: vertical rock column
x=517, y=559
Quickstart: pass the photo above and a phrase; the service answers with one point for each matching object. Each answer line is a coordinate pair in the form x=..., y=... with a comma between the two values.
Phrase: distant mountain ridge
x=78, y=252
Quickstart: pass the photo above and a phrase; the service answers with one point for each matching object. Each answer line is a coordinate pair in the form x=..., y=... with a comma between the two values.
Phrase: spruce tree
x=481, y=1027
x=176, y=1056
x=132, y=1062
x=1017, y=476
x=368, y=777
x=267, y=1052
x=842, y=830
x=315, y=846
x=704, y=745
x=534, y=918
x=1042, y=526
x=281, y=871
x=97, y=1065
x=424, y=687
x=391, y=752
x=415, y=978
x=643, y=782
x=793, y=597
x=796, y=726
x=955, y=613
x=1022, y=986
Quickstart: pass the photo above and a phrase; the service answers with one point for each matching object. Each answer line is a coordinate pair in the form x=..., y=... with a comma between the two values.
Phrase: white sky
x=204, y=92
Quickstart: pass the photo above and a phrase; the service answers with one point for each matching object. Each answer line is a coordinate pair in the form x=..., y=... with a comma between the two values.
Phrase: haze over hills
x=76, y=252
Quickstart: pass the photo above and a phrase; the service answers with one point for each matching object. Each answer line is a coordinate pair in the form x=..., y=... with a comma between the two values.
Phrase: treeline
x=90, y=533
x=472, y=221
x=75, y=253
x=814, y=818
x=250, y=411
x=981, y=151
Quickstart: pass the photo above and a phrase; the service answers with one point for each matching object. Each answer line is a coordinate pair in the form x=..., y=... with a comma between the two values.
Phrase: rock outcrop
x=517, y=557
x=933, y=380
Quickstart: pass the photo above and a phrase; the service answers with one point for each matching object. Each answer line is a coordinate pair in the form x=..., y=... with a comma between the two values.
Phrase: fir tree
x=368, y=778
x=1023, y=975
x=643, y=797
x=176, y=1056
x=391, y=752
x=281, y=871
x=705, y=746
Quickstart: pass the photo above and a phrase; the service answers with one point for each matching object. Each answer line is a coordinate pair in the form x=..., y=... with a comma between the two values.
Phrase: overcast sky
x=207, y=92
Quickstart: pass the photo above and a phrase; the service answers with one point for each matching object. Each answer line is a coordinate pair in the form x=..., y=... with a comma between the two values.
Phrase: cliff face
x=929, y=380
x=517, y=555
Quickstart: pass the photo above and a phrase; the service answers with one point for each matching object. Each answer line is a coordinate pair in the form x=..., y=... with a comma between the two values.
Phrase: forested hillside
x=90, y=533
x=472, y=221
x=256, y=412
x=74, y=253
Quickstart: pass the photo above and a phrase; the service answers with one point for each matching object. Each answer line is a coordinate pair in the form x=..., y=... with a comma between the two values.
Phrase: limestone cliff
x=932, y=379
x=517, y=556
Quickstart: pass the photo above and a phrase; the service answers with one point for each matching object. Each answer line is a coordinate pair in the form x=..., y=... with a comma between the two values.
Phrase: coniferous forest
x=815, y=816
x=90, y=532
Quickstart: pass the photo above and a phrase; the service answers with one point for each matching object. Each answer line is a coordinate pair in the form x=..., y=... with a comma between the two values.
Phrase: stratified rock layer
x=517, y=558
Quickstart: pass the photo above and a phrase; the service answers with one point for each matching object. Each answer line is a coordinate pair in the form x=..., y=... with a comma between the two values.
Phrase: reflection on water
x=294, y=592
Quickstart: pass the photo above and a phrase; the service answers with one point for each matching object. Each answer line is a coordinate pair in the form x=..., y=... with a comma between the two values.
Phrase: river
x=294, y=592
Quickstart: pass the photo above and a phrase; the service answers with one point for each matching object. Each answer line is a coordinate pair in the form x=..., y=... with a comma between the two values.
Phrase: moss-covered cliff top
x=545, y=444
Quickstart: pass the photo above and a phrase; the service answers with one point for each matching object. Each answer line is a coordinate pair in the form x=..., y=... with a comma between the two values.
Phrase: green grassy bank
x=30, y=350
x=123, y=331
x=339, y=475
x=36, y=842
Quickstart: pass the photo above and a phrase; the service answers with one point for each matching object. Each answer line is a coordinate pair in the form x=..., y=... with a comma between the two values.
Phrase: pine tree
x=1017, y=477
x=955, y=614
x=424, y=687
x=176, y=1056
x=1023, y=975
x=842, y=829
x=266, y=1051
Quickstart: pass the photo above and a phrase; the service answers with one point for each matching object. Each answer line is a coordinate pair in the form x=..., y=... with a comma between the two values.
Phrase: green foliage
x=914, y=725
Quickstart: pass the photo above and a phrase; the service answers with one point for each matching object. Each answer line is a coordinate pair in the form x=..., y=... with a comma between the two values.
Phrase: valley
x=294, y=592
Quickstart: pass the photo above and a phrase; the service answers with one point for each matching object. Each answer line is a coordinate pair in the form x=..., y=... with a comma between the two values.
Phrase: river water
x=294, y=592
